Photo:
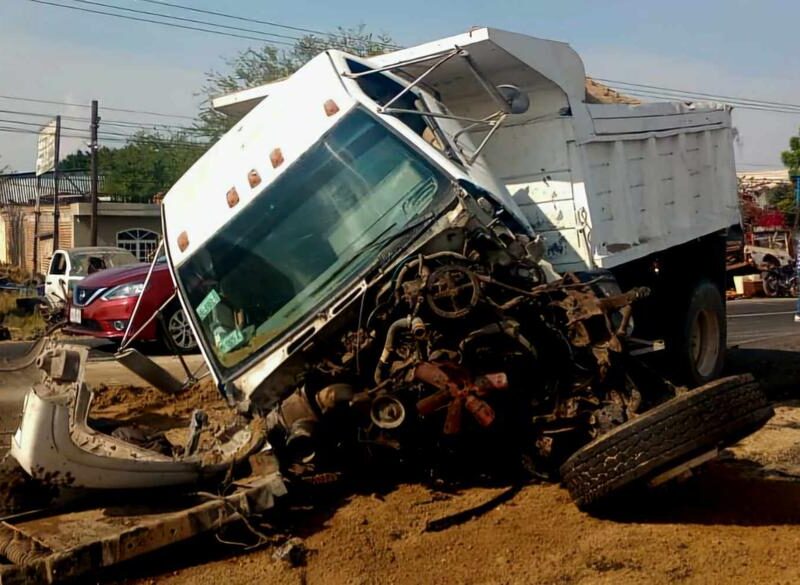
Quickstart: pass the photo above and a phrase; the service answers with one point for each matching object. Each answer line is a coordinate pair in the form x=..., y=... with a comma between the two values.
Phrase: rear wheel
x=668, y=436
x=176, y=332
x=699, y=347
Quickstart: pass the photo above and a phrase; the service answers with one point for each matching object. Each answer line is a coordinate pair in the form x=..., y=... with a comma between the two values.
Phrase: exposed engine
x=465, y=352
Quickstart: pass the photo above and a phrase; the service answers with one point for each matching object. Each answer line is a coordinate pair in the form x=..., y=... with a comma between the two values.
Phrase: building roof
x=20, y=188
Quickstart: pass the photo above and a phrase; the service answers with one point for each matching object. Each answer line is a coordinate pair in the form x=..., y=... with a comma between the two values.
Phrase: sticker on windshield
x=204, y=308
x=231, y=341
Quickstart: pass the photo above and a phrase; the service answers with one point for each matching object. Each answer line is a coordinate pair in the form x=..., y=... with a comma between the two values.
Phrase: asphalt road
x=751, y=321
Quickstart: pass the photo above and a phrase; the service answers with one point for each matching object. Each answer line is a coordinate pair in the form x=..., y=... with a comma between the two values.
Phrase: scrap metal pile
x=465, y=351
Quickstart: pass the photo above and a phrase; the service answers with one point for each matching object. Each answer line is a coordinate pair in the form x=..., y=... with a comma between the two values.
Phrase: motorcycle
x=780, y=281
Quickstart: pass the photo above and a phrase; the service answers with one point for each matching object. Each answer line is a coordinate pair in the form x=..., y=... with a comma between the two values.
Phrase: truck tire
x=716, y=414
x=700, y=343
x=176, y=333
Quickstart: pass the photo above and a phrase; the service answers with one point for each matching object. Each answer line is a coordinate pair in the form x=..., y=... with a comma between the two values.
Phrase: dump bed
x=605, y=183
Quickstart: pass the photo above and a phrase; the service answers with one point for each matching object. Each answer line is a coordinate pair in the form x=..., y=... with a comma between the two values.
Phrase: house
x=133, y=226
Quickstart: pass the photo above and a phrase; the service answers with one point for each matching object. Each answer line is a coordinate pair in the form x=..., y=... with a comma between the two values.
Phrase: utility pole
x=36, y=213
x=93, y=169
x=55, y=183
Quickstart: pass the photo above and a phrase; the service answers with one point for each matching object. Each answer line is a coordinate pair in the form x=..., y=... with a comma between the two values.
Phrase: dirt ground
x=716, y=529
x=734, y=522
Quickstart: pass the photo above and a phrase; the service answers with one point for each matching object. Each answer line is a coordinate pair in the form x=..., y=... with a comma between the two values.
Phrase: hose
x=388, y=346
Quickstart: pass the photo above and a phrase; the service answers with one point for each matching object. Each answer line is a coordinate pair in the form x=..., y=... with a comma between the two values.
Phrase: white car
x=71, y=265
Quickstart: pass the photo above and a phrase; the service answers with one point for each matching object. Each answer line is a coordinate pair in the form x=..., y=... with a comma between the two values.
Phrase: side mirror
x=517, y=100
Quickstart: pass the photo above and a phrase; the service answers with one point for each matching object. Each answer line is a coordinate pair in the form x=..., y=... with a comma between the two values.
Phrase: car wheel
x=668, y=436
x=177, y=332
x=769, y=282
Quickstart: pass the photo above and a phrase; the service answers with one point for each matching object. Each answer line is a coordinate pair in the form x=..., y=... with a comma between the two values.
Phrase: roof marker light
x=331, y=108
x=253, y=178
x=183, y=241
x=276, y=158
x=232, y=197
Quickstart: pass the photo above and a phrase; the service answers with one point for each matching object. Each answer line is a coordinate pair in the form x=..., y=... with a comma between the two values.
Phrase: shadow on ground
x=778, y=370
x=724, y=492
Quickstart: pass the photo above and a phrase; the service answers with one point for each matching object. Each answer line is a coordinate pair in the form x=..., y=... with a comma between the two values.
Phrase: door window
x=58, y=265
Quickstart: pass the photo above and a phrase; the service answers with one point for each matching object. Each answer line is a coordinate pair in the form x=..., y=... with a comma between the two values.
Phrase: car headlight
x=124, y=290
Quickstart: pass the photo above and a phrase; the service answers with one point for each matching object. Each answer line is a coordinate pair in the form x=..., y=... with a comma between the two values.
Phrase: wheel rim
x=771, y=284
x=179, y=330
x=704, y=342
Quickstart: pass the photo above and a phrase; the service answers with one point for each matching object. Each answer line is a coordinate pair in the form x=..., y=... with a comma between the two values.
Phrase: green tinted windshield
x=306, y=235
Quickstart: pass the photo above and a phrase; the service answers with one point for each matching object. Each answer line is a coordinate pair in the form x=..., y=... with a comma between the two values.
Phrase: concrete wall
x=109, y=226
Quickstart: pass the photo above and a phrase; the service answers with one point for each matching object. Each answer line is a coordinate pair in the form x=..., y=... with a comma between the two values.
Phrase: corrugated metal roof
x=20, y=188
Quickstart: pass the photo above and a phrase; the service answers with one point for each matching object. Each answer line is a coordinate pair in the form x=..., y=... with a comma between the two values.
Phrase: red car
x=103, y=302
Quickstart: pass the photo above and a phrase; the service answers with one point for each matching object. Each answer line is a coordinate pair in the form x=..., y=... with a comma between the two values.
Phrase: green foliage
x=254, y=67
x=791, y=157
x=148, y=164
x=782, y=198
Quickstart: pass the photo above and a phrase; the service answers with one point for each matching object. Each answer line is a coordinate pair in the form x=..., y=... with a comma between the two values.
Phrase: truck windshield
x=306, y=235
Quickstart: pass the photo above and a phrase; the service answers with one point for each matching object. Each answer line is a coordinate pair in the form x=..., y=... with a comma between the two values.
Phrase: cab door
x=55, y=283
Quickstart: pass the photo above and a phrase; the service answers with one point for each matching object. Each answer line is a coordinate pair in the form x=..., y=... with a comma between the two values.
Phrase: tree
x=254, y=67
x=791, y=157
x=782, y=198
x=75, y=161
x=148, y=164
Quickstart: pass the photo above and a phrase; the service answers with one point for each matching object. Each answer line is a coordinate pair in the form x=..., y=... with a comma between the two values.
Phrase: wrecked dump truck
x=443, y=257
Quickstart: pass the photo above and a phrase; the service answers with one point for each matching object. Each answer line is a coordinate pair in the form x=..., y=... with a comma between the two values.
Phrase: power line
x=742, y=106
x=183, y=19
x=116, y=123
x=170, y=24
x=106, y=137
x=265, y=22
x=709, y=95
x=198, y=29
x=75, y=105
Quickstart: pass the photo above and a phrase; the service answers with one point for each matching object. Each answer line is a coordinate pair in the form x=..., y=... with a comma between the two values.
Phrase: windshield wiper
x=409, y=227
x=378, y=241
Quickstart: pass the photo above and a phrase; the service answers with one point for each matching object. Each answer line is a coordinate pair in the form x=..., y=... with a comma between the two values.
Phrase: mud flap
x=149, y=371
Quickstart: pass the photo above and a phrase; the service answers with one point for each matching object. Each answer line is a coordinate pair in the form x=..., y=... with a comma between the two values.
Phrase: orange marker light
x=276, y=158
x=232, y=197
x=183, y=241
x=253, y=178
x=331, y=108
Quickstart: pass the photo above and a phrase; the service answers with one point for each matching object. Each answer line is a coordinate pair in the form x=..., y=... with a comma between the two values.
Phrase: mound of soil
x=145, y=408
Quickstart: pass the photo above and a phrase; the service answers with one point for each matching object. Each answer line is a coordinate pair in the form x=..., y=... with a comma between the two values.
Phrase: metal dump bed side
x=604, y=183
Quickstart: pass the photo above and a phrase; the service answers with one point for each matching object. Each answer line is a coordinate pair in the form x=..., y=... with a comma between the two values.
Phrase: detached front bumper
x=54, y=442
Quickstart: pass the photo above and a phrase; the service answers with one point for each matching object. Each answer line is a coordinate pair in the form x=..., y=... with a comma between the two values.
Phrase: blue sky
x=734, y=47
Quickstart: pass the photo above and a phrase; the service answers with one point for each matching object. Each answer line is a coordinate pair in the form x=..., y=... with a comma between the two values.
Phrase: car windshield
x=88, y=262
x=306, y=235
